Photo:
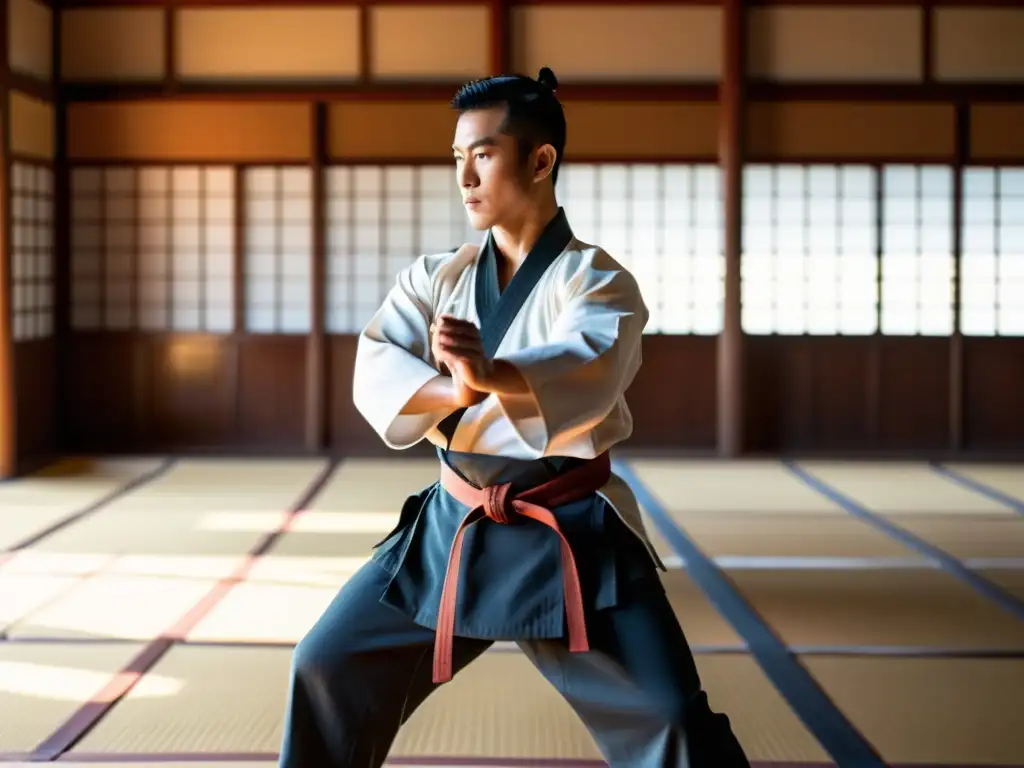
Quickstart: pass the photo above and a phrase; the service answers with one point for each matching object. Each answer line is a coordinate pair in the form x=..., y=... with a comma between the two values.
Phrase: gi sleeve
x=589, y=359
x=393, y=360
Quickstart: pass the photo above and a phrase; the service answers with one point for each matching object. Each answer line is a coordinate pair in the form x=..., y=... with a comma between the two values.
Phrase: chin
x=479, y=221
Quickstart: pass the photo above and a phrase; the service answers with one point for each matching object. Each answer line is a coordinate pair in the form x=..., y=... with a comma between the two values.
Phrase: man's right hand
x=464, y=397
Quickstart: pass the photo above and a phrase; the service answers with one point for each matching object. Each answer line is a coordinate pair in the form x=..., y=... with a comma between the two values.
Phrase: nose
x=467, y=178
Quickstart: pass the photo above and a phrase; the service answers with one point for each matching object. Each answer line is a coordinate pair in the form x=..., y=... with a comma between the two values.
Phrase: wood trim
x=501, y=37
x=8, y=395
x=732, y=128
x=956, y=341
x=32, y=86
x=927, y=43
x=912, y=93
x=341, y=3
x=317, y=386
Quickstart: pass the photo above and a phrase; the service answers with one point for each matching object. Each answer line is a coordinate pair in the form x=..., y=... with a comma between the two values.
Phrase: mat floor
x=842, y=613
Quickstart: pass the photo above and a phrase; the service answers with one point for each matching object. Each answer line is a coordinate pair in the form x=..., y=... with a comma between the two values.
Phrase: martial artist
x=512, y=357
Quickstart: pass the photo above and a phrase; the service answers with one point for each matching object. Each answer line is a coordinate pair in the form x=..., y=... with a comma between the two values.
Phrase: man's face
x=495, y=185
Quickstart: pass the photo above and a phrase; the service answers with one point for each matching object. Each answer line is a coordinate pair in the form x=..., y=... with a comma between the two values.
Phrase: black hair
x=534, y=116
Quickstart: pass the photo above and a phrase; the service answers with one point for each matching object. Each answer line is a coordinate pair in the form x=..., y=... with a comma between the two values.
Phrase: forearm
x=437, y=394
x=506, y=379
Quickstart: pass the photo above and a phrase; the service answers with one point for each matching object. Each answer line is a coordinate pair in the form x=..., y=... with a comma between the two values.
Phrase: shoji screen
x=153, y=248
x=32, y=250
x=992, y=270
x=663, y=223
x=278, y=249
x=917, y=250
x=379, y=220
x=810, y=260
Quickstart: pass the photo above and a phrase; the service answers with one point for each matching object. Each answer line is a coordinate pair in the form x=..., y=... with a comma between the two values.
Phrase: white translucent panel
x=295, y=320
x=900, y=181
x=296, y=182
x=86, y=208
x=220, y=182
x=186, y=265
x=295, y=265
x=186, y=238
x=337, y=320
x=86, y=263
x=155, y=182
x=261, y=238
x=153, y=210
x=296, y=292
x=153, y=264
x=218, y=292
x=86, y=181
x=85, y=317
x=119, y=209
x=186, y=208
x=297, y=211
x=296, y=239
x=153, y=292
x=186, y=181
x=20, y=330
x=218, y=237
x=339, y=213
x=119, y=237
x=20, y=297
x=153, y=317
x=975, y=238
x=220, y=318
x=117, y=317
x=219, y=211
x=262, y=211
x=219, y=264
x=119, y=182
x=261, y=182
x=261, y=290
x=117, y=290
x=262, y=264
x=338, y=182
x=185, y=318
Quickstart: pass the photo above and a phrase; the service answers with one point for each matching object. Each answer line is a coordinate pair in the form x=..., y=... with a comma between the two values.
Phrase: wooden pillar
x=731, y=159
x=956, y=341
x=8, y=411
x=316, y=345
x=501, y=45
x=61, y=252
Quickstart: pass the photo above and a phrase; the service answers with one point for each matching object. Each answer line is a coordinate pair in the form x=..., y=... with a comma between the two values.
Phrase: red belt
x=535, y=503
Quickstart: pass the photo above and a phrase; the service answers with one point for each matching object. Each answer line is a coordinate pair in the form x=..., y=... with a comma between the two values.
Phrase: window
x=152, y=248
x=278, y=249
x=917, y=250
x=379, y=220
x=664, y=224
x=809, y=261
x=32, y=251
x=992, y=265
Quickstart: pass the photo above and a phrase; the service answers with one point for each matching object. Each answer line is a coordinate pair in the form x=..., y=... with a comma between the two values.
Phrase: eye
x=481, y=155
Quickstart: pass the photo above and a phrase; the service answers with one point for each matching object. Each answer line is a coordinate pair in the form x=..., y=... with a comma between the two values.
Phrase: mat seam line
x=982, y=489
x=57, y=743
x=806, y=697
x=121, y=490
x=952, y=565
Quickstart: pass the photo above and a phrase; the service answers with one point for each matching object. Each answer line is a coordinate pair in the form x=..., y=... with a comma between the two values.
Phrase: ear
x=544, y=165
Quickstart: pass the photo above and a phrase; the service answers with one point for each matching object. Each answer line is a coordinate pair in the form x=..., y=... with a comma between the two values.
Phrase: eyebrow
x=487, y=141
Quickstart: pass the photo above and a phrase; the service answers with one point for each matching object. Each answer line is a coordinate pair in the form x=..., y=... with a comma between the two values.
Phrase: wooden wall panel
x=978, y=44
x=124, y=44
x=997, y=132
x=192, y=131
x=827, y=130
x=106, y=392
x=271, y=390
x=360, y=130
x=993, y=376
x=626, y=43
x=913, y=393
x=35, y=371
x=32, y=126
x=30, y=38
x=641, y=130
x=430, y=42
x=875, y=44
x=268, y=43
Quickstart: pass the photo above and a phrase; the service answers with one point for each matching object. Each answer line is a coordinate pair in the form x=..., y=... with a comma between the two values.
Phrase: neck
x=515, y=239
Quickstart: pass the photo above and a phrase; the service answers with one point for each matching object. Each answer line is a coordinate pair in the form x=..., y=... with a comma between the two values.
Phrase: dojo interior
x=204, y=202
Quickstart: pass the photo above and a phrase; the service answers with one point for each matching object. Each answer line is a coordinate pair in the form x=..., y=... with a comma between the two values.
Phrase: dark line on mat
x=837, y=735
x=437, y=760
x=948, y=563
x=1017, y=505
x=91, y=712
x=96, y=506
x=707, y=649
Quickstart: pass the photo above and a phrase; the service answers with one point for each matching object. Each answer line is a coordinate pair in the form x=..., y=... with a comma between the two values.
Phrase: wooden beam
x=316, y=341
x=61, y=254
x=500, y=24
x=956, y=340
x=731, y=130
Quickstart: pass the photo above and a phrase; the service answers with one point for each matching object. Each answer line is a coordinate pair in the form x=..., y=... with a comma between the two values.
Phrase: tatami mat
x=1010, y=579
x=41, y=685
x=33, y=503
x=231, y=701
x=701, y=622
x=366, y=485
x=1005, y=478
x=901, y=487
x=917, y=608
x=718, y=486
x=968, y=536
x=931, y=711
x=741, y=534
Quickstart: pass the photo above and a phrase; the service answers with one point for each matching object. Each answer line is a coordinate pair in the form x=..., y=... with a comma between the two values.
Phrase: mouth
x=471, y=202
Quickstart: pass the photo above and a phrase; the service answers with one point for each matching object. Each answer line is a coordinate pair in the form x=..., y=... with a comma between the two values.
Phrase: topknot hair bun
x=547, y=77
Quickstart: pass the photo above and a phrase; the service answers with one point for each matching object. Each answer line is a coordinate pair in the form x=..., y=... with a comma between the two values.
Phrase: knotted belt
x=495, y=503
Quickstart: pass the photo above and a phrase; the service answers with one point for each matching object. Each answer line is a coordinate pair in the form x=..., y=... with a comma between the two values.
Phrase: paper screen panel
x=31, y=251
